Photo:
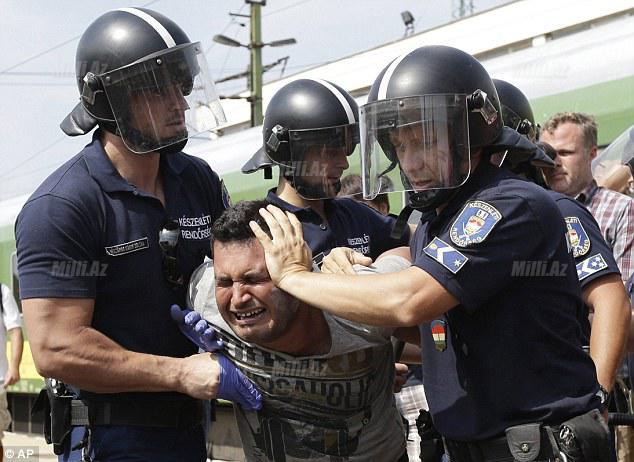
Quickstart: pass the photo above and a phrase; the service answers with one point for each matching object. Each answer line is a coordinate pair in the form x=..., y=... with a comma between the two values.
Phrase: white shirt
x=10, y=319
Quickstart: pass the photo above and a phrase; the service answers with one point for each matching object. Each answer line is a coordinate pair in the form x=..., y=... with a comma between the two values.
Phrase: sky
x=38, y=40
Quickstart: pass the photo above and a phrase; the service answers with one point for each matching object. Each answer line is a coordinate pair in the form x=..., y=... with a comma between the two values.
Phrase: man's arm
x=607, y=299
x=404, y=298
x=17, y=345
x=66, y=347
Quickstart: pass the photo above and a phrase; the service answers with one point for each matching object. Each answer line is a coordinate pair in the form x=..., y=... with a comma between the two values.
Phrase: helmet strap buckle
x=91, y=88
x=479, y=101
x=274, y=141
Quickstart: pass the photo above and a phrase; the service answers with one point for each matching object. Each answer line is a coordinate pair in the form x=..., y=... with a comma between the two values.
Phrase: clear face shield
x=319, y=158
x=620, y=152
x=164, y=99
x=427, y=137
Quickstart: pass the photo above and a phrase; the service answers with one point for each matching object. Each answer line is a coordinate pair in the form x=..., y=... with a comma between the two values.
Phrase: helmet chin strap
x=424, y=201
x=138, y=139
x=305, y=189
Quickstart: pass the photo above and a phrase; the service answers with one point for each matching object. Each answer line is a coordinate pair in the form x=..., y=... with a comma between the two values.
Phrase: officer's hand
x=208, y=376
x=287, y=252
x=400, y=376
x=341, y=259
x=196, y=329
x=236, y=387
x=199, y=376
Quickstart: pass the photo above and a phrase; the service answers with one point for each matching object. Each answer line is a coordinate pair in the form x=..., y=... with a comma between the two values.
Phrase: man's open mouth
x=249, y=314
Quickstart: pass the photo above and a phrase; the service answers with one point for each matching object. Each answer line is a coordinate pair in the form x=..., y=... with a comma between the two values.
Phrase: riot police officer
x=599, y=276
x=311, y=133
x=504, y=371
x=108, y=241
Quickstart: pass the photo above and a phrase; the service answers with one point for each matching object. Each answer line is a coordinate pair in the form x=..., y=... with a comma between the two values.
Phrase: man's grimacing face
x=248, y=301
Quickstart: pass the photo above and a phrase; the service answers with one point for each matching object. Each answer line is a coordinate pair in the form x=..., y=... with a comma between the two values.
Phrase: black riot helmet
x=516, y=110
x=428, y=112
x=140, y=77
x=310, y=128
x=518, y=114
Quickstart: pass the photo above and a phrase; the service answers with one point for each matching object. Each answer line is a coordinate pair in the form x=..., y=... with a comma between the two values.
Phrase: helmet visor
x=427, y=137
x=164, y=99
x=619, y=152
x=319, y=158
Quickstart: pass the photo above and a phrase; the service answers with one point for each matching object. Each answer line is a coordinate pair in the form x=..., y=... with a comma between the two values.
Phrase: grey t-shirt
x=334, y=407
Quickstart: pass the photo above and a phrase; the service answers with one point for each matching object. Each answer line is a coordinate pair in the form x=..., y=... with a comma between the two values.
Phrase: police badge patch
x=446, y=255
x=474, y=223
x=579, y=240
x=590, y=266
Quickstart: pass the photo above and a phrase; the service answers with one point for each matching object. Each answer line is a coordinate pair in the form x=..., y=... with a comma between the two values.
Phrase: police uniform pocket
x=524, y=441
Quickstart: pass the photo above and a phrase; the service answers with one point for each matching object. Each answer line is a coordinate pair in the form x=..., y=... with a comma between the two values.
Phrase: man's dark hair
x=233, y=224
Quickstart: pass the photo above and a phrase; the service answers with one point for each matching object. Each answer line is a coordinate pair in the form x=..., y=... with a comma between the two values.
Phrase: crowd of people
x=506, y=299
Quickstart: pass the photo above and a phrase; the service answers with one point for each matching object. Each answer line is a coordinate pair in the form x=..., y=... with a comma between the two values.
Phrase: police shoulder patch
x=226, y=199
x=579, y=239
x=446, y=255
x=474, y=223
x=590, y=266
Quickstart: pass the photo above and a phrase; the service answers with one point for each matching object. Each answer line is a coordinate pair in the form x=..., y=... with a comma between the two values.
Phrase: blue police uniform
x=350, y=224
x=510, y=353
x=88, y=233
x=593, y=256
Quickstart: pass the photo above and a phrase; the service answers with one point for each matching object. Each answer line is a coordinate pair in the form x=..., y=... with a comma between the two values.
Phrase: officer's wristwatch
x=604, y=396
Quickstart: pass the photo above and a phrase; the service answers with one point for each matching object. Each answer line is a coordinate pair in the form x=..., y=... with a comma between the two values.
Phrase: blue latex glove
x=196, y=329
x=236, y=387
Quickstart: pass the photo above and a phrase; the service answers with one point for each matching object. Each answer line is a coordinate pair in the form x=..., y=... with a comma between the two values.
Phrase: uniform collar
x=274, y=199
x=484, y=174
x=587, y=194
x=103, y=171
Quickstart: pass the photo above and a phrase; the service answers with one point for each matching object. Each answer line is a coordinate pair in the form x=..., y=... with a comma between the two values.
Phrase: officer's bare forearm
x=64, y=346
x=93, y=362
x=405, y=298
x=606, y=297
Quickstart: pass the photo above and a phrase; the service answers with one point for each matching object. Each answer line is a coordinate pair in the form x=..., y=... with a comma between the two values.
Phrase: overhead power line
x=31, y=157
x=54, y=47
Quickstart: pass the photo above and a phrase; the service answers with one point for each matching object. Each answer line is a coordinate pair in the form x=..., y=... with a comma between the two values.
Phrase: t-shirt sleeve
x=10, y=311
x=474, y=257
x=593, y=256
x=384, y=265
x=54, y=239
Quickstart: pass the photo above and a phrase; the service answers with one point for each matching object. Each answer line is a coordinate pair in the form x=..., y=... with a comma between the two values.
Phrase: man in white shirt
x=11, y=323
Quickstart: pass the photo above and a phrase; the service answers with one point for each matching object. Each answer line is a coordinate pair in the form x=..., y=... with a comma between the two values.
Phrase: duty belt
x=583, y=438
x=533, y=441
x=168, y=414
